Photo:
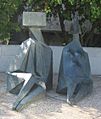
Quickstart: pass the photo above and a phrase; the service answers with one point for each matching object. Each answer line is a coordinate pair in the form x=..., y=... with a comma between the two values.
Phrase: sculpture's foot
x=69, y=102
x=34, y=95
x=14, y=108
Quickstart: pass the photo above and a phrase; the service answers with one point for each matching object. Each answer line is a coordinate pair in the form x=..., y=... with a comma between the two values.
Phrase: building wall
x=7, y=54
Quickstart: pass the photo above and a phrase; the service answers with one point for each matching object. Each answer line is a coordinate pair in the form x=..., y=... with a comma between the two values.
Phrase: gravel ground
x=51, y=108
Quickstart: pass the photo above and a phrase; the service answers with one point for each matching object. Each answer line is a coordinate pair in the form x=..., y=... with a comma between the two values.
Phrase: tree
x=8, y=9
x=89, y=8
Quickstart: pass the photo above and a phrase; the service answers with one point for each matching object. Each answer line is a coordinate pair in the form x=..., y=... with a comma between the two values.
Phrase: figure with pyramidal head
x=74, y=74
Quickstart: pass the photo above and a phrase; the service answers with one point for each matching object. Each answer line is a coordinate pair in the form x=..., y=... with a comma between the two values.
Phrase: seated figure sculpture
x=30, y=73
x=74, y=73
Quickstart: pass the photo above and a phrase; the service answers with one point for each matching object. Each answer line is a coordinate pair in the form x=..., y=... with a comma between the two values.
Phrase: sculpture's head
x=35, y=21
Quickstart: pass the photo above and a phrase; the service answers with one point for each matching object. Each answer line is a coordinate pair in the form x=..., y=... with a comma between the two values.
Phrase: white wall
x=95, y=59
x=7, y=53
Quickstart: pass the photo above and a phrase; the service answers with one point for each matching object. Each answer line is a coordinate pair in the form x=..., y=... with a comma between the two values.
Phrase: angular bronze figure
x=31, y=72
x=30, y=75
x=74, y=74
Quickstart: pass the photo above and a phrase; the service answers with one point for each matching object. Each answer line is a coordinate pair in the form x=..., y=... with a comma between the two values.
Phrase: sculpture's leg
x=24, y=91
x=35, y=94
x=84, y=90
x=14, y=84
x=79, y=95
x=30, y=90
x=70, y=90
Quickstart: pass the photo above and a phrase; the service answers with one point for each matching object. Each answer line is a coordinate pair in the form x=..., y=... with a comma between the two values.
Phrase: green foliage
x=91, y=7
x=95, y=9
x=8, y=8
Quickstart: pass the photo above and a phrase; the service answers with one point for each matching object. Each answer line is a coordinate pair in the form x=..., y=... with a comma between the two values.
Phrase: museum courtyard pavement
x=53, y=106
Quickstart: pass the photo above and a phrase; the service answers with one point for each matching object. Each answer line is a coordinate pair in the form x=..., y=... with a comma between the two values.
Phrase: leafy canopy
x=8, y=8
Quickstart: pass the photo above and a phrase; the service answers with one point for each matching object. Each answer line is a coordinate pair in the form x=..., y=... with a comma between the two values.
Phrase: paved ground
x=51, y=108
